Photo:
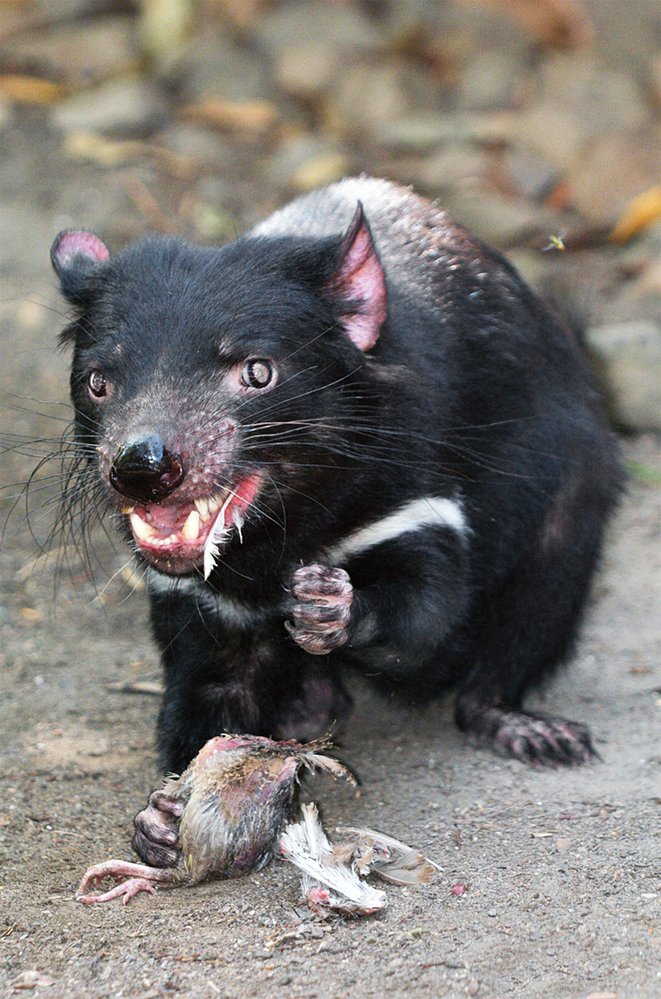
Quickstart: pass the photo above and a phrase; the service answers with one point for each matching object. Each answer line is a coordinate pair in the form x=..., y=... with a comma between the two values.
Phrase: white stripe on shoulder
x=427, y=511
x=232, y=613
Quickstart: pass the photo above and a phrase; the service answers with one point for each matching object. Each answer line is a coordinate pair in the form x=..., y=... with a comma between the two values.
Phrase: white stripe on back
x=427, y=511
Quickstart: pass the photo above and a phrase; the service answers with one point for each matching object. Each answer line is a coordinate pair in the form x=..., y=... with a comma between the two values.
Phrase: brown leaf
x=638, y=215
x=255, y=117
x=31, y=615
x=31, y=89
x=110, y=153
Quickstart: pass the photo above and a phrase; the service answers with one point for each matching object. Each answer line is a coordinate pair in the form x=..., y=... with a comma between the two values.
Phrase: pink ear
x=75, y=247
x=360, y=280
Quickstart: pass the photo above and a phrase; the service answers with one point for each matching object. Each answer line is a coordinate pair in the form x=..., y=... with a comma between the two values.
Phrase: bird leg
x=139, y=878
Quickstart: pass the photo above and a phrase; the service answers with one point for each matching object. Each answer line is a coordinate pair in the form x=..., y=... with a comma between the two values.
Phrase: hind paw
x=545, y=740
x=537, y=739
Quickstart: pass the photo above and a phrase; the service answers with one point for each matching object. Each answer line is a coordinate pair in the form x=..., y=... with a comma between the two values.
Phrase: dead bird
x=230, y=805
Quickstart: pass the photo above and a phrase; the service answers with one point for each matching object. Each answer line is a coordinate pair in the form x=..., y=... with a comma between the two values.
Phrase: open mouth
x=179, y=537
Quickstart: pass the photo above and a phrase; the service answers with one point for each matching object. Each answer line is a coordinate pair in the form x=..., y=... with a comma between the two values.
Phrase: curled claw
x=128, y=890
x=139, y=878
x=544, y=740
x=157, y=830
x=322, y=611
x=539, y=739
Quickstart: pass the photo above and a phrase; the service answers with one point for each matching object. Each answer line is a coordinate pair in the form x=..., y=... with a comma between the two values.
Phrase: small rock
x=305, y=69
x=77, y=54
x=213, y=224
x=602, y=98
x=552, y=132
x=320, y=170
x=495, y=218
x=122, y=107
x=211, y=63
x=5, y=114
x=305, y=162
x=579, y=99
x=532, y=265
x=530, y=173
x=204, y=145
x=69, y=10
x=424, y=130
x=629, y=356
x=624, y=41
x=454, y=166
x=655, y=73
x=164, y=26
x=368, y=95
x=614, y=170
x=343, y=28
x=488, y=80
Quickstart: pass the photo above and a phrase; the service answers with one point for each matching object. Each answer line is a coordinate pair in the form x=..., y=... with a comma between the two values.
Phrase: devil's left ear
x=76, y=255
x=359, y=282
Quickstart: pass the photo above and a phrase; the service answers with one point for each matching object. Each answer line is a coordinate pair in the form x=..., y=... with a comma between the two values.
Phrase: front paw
x=322, y=608
x=156, y=834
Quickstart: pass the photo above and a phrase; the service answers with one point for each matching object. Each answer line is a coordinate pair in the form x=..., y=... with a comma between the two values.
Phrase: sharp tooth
x=191, y=528
x=202, y=508
x=141, y=528
x=128, y=509
x=214, y=503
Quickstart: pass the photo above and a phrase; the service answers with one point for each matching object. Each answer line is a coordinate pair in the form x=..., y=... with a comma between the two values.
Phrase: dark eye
x=97, y=385
x=258, y=373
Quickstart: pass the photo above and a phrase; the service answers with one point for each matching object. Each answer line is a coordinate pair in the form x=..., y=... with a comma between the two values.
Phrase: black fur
x=473, y=392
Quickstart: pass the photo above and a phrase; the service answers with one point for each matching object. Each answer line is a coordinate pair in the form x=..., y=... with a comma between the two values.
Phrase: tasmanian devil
x=352, y=437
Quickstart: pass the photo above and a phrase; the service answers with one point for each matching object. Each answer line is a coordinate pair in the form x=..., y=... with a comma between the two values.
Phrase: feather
x=374, y=852
x=327, y=883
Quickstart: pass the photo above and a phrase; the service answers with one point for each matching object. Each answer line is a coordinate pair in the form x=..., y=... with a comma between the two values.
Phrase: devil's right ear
x=76, y=256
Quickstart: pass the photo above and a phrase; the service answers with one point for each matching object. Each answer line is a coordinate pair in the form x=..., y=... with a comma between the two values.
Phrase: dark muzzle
x=145, y=470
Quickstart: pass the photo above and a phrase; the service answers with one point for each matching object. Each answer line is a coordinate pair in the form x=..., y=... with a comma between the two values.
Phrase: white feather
x=217, y=535
x=306, y=845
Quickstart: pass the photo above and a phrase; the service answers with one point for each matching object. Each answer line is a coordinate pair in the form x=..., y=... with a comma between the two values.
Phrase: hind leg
x=520, y=636
x=532, y=737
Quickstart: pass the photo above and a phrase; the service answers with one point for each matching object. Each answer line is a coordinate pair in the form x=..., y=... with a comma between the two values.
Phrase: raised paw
x=157, y=831
x=322, y=608
x=537, y=739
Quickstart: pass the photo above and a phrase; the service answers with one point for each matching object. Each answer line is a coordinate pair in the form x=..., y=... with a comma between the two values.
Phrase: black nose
x=145, y=470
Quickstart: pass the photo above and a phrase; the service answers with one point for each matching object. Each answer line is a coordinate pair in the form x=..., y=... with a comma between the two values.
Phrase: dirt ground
x=562, y=868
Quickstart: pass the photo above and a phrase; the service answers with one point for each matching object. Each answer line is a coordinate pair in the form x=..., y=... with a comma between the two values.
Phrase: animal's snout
x=145, y=470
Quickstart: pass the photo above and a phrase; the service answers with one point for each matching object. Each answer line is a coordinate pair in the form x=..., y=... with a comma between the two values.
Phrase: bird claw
x=138, y=878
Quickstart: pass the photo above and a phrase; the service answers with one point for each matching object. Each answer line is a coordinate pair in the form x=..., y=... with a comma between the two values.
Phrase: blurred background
x=535, y=123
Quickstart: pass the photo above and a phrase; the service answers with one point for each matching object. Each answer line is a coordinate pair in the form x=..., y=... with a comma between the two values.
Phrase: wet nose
x=145, y=470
